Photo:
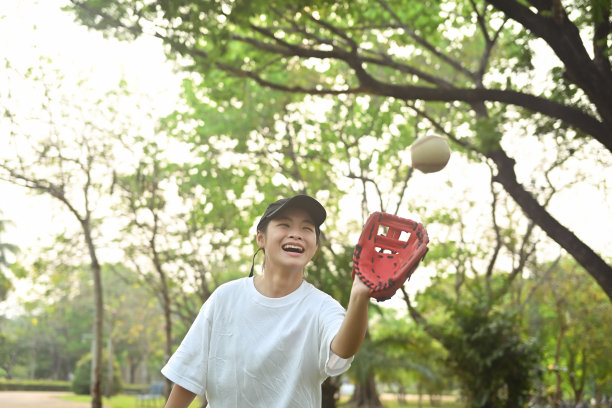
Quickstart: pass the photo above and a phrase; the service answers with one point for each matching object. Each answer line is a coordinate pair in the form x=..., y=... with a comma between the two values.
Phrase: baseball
x=430, y=154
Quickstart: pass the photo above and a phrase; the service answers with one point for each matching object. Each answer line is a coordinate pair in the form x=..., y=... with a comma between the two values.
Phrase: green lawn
x=124, y=401
x=130, y=401
x=425, y=403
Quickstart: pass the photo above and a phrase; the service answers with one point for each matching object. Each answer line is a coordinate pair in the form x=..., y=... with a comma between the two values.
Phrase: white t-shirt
x=248, y=350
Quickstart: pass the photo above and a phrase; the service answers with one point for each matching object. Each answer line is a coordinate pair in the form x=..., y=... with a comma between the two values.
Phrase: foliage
x=572, y=319
x=82, y=377
x=399, y=48
x=54, y=331
x=11, y=351
x=493, y=364
x=6, y=285
x=382, y=73
x=325, y=98
x=412, y=361
x=5, y=248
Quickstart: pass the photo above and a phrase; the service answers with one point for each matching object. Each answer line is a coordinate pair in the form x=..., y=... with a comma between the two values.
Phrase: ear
x=261, y=239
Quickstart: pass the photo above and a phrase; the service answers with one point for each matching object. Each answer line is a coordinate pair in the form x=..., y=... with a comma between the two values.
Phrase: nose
x=295, y=235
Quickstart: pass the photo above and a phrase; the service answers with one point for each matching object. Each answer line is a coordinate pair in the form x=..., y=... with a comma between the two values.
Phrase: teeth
x=293, y=248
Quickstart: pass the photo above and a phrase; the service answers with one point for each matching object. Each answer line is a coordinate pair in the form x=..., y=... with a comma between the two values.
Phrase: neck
x=277, y=284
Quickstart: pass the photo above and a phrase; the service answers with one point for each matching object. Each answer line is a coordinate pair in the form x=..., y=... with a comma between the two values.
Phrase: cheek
x=314, y=245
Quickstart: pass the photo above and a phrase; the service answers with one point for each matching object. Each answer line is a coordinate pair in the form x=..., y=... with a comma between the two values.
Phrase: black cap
x=306, y=203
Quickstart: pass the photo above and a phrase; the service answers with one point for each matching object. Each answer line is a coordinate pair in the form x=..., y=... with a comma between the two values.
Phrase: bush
x=494, y=365
x=82, y=377
x=34, y=385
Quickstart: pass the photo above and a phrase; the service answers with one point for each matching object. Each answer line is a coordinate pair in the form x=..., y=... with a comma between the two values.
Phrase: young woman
x=271, y=340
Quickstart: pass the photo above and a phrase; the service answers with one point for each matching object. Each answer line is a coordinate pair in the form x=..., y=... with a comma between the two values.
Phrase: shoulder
x=230, y=289
x=233, y=285
x=224, y=293
x=323, y=300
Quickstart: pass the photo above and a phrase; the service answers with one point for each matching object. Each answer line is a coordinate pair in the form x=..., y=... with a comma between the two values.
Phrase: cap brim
x=307, y=203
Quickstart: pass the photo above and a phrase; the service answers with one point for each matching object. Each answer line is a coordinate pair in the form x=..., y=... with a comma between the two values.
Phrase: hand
x=359, y=288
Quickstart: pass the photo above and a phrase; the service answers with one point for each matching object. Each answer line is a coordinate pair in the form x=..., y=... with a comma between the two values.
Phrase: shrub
x=82, y=377
x=494, y=365
x=34, y=385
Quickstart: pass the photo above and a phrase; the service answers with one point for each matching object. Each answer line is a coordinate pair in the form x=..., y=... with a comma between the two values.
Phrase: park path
x=37, y=399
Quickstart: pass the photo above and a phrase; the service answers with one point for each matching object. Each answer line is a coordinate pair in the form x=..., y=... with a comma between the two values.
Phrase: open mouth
x=293, y=248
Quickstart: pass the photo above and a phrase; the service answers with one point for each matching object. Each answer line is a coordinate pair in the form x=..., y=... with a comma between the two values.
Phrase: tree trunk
x=165, y=301
x=558, y=396
x=168, y=324
x=577, y=380
x=329, y=389
x=582, y=253
x=366, y=394
x=110, y=374
x=96, y=354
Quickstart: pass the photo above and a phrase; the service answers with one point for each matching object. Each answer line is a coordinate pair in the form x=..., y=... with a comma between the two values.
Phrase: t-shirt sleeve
x=331, y=317
x=337, y=365
x=188, y=366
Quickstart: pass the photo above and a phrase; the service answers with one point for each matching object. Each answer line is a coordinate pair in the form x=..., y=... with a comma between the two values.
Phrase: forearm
x=179, y=397
x=353, y=328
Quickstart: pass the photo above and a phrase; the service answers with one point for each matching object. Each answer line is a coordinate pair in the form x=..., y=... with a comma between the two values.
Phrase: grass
x=124, y=401
x=425, y=403
x=130, y=401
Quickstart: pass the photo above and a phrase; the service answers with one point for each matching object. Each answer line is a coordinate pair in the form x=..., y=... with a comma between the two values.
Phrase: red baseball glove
x=384, y=262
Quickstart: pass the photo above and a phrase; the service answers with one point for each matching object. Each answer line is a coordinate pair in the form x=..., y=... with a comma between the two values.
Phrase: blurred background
x=140, y=141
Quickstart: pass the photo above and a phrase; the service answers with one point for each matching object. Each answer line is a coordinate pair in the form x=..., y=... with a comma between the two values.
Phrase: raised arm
x=353, y=328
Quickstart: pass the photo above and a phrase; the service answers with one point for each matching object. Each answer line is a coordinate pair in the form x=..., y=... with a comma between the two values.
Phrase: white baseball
x=430, y=154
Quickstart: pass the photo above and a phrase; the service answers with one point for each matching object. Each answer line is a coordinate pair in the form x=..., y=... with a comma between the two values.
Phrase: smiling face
x=289, y=240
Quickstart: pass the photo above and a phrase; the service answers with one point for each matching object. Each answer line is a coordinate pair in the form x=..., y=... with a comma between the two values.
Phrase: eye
x=310, y=229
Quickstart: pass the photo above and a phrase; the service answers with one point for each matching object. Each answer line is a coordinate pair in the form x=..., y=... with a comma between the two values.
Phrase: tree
x=12, y=349
x=494, y=365
x=411, y=361
x=134, y=329
x=453, y=63
x=473, y=306
x=143, y=203
x=5, y=248
x=53, y=331
x=571, y=318
x=64, y=152
x=59, y=320
x=493, y=361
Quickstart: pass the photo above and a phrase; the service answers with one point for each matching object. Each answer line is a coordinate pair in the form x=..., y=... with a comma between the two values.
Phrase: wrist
x=360, y=290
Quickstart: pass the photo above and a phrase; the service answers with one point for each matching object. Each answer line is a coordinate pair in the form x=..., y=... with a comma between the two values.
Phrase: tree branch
x=563, y=37
x=584, y=255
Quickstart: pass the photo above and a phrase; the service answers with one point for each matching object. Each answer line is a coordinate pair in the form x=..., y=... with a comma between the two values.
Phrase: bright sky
x=33, y=28
x=30, y=28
